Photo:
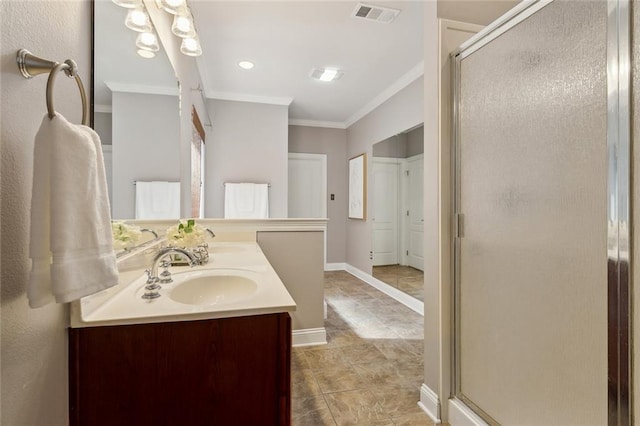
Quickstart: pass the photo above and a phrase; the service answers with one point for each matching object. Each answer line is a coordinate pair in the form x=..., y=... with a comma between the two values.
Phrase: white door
x=385, y=211
x=415, y=221
x=307, y=185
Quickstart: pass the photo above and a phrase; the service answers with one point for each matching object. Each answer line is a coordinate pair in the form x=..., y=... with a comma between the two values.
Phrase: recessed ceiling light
x=326, y=74
x=246, y=65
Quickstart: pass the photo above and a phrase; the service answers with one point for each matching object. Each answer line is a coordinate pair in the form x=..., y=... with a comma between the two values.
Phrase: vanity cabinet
x=229, y=371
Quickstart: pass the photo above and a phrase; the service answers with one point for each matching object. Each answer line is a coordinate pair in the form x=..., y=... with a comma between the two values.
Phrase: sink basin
x=211, y=287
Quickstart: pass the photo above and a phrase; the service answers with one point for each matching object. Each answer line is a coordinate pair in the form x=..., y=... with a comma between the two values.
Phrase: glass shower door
x=531, y=194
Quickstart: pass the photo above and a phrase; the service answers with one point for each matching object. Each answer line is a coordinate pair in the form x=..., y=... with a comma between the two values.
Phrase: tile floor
x=370, y=372
x=404, y=278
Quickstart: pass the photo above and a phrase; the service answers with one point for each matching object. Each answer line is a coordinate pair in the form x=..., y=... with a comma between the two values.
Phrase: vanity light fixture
x=148, y=41
x=326, y=74
x=191, y=46
x=246, y=65
x=183, y=25
x=172, y=6
x=129, y=4
x=147, y=54
x=138, y=20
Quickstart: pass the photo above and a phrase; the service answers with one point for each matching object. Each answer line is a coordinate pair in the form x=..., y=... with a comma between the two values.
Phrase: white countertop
x=123, y=304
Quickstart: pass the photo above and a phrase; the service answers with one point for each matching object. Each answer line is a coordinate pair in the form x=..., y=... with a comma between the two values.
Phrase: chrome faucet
x=193, y=260
x=152, y=286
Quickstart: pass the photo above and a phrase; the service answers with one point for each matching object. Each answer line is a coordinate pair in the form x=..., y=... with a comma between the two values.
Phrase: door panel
x=307, y=186
x=385, y=212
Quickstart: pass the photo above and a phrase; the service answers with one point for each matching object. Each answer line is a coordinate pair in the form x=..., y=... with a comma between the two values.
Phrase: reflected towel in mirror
x=157, y=200
x=246, y=201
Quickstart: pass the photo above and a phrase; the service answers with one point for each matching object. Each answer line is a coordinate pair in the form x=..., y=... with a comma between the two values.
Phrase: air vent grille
x=370, y=12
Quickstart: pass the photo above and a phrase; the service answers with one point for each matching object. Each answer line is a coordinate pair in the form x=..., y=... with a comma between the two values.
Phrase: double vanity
x=213, y=348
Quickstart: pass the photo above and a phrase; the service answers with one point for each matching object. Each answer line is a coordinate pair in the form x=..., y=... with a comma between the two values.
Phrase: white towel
x=157, y=200
x=70, y=239
x=246, y=201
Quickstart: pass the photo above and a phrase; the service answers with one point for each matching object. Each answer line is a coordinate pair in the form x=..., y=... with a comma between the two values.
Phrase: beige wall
x=415, y=142
x=402, y=111
x=145, y=146
x=304, y=276
x=333, y=143
x=393, y=147
x=248, y=143
x=34, y=344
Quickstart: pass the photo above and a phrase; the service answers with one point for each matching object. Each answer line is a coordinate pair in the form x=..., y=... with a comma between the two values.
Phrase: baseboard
x=430, y=403
x=309, y=337
x=461, y=415
x=402, y=297
x=335, y=266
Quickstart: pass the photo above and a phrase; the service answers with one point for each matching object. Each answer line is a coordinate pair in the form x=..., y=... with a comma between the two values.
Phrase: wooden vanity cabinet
x=231, y=371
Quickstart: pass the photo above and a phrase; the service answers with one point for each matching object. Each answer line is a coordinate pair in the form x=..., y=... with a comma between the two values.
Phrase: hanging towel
x=246, y=200
x=70, y=238
x=157, y=200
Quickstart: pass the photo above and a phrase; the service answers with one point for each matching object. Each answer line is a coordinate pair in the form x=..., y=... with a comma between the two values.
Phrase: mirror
x=137, y=115
x=396, y=195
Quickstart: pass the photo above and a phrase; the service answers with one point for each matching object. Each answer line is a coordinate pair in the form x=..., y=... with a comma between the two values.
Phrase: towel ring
x=31, y=65
x=71, y=69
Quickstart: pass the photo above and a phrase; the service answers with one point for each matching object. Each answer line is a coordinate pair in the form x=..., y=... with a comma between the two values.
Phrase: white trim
x=430, y=403
x=402, y=297
x=141, y=88
x=335, y=266
x=103, y=108
x=461, y=415
x=317, y=123
x=309, y=337
x=411, y=76
x=391, y=160
x=241, y=97
x=451, y=24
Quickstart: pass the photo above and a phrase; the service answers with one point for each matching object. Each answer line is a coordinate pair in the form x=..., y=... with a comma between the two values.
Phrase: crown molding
x=317, y=123
x=241, y=97
x=411, y=76
x=141, y=88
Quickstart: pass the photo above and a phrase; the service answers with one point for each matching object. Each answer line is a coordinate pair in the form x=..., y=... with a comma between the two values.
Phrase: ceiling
x=286, y=40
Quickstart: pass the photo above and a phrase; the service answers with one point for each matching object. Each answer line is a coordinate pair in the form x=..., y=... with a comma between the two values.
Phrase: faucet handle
x=152, y=287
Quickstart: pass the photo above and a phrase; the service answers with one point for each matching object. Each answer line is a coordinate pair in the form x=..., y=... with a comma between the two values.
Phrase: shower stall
x=543, y=102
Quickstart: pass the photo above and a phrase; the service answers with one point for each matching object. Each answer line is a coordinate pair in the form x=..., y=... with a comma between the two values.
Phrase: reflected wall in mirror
x=137, y=115
x=396, y=193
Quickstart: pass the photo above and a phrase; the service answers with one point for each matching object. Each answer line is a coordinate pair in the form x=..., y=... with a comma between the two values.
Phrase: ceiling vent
x=375, y=13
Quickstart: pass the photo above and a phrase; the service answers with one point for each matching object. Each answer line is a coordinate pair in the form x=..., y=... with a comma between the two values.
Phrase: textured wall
x=34, y=354
x=333, y=143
